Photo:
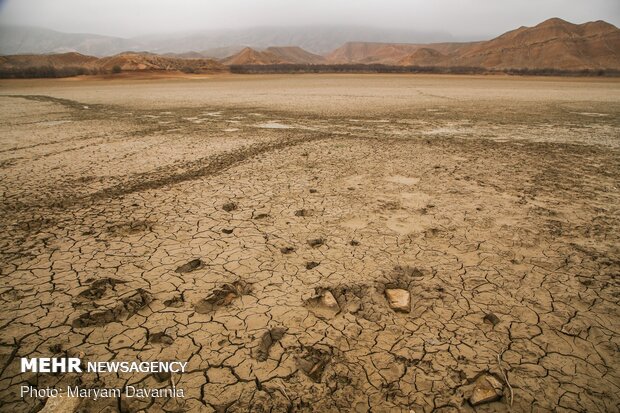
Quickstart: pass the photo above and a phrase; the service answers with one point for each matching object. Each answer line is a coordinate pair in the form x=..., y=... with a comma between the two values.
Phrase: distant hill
x=554, y=44
x=36, y=40
x=209, y=43
x=57, y=61
x=273, y=55
x=249, y=56
x=69, y=64
x=383, y=53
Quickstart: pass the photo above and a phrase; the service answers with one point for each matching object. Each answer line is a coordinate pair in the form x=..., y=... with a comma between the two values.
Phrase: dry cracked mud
x=252, y=225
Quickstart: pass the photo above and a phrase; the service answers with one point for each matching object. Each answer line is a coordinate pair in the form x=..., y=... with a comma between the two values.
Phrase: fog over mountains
x=215, y=43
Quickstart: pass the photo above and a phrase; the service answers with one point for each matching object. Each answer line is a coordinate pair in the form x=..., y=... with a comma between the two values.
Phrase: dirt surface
x=256, y=226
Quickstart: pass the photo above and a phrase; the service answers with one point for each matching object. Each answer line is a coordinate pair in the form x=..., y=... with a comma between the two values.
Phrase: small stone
x=329, y=301
x=399, y=300
x=316, y=242
x=324, y=305
x=311, y=264
x=229, y=206
x=491, y=319
x=486, y=390
x=61, y=405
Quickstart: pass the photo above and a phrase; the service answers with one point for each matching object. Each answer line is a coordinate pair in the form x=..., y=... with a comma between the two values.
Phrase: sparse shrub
x=116, y=69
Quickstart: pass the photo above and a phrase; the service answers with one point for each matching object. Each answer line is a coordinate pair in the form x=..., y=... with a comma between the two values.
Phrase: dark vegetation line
x=52, y=72
x=47, y=71
x=380, y=68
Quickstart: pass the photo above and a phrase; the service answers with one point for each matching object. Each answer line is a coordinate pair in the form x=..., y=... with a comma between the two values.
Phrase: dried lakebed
x=455, y=254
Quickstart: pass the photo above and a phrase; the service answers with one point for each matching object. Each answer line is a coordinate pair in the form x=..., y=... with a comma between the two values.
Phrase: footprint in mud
x=175, y=302
x=129, y=228
x=124, y=309
x=316, y=242
x=222, y=297
x=11, y=295
x=190, y=266
x=313, y=363
x=96, y=290
x=268, y=339
x=161, y=338
x=402, y=276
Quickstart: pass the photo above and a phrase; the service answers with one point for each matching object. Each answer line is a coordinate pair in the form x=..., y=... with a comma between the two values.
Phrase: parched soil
x=315, y=243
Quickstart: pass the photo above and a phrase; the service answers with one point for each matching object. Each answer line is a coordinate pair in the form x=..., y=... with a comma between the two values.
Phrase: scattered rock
x=287, y=250
x=61, y=405
x=398, y=299
x=311, y=264
x=269, y=338
x=162, y=376
x=487, y=389
x=221, y=297
x=229, y=206
x=317, y=242
x=313, y=191
x=491, y=319
x=227, y=231
x=190, y=266
x=354, y=243
x=261, y=216
x=324, y=305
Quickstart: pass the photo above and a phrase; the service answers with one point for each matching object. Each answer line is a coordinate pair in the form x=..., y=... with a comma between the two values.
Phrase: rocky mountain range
x=553, y=44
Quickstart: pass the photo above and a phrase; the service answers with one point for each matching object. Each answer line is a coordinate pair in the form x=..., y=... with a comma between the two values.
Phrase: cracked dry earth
x=256, y=226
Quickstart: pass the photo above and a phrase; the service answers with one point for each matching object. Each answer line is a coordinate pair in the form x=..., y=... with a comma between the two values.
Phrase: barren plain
x=251, y=225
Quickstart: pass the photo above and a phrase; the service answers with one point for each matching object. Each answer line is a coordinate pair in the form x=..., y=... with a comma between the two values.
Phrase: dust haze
x=455, y=19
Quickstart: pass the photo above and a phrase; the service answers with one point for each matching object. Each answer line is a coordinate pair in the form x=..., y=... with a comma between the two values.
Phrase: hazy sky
x=462, y=18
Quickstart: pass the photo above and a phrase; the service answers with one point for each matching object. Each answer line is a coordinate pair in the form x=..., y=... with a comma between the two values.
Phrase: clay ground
x=208, y=219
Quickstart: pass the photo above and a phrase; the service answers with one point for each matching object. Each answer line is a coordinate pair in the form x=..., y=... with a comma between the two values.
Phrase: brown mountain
x=249, y=56
x=273, y=55
x=555, y=44
x=384, y=53
x=424, y=56
x=294, y=54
